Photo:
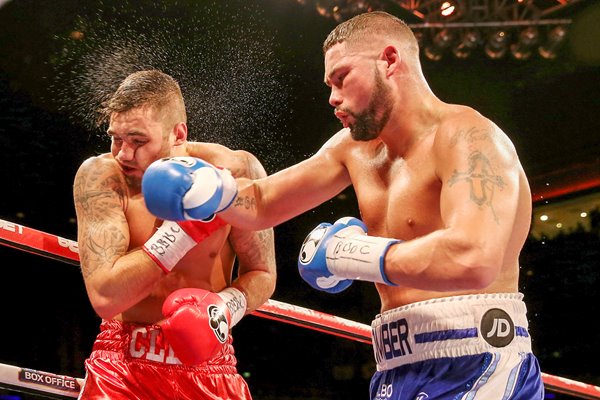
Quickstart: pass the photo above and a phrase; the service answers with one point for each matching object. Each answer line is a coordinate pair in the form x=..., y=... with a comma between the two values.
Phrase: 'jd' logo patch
x=497, y=328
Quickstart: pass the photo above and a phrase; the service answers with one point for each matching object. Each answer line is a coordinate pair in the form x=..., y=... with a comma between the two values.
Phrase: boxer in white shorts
x=445, y=209
x=464, y=347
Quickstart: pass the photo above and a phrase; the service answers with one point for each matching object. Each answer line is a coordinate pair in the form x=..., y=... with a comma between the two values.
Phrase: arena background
x=252, y=72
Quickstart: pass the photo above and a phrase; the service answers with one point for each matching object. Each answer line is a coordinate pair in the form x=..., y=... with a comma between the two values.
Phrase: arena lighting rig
x=521, y=28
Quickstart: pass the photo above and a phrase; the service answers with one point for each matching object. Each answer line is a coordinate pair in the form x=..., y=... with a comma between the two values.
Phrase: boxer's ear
x=180, y=131
x=392, y=58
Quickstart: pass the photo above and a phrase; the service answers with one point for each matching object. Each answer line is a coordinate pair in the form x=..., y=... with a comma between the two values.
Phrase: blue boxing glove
x=187, y=188
x=332, y=256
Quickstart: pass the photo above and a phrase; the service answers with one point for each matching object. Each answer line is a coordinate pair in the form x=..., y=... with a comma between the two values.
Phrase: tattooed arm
x=482, y=189
x=256, y=265
x=115, y=280
x=271, y=200
x=255, y=250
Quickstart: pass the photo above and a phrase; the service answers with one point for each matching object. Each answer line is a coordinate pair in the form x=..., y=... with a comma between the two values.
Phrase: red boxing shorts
x=130, y=361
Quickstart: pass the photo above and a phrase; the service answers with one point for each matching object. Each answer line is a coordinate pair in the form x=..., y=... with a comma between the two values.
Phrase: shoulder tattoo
x=482, y=180
x=95, y=192
x=99, y=200
x=471, y=135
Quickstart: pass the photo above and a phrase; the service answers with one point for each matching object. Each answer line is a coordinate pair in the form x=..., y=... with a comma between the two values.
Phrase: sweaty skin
x=113, y=223
x=442, y=178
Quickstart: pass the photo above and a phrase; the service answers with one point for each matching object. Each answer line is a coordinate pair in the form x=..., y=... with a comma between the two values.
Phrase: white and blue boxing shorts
x=473, y=347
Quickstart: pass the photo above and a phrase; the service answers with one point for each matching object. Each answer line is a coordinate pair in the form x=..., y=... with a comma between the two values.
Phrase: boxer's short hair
x=151, y=88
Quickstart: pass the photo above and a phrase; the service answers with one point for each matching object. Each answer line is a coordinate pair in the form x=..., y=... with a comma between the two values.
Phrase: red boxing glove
x=198, y=321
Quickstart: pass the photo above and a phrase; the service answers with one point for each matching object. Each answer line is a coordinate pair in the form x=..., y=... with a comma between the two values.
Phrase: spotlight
x=347, y=9
x=468, y=42
x=554, y=41
x=497, y=44
x=528, y=38
x=447, y=8
x=441, y=41
x=76, y=35
x=325, y=7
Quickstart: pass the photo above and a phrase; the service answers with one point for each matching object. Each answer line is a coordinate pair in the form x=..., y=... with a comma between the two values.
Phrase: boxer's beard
x=370, y=122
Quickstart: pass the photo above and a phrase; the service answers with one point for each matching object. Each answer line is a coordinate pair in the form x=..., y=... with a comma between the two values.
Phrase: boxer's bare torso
x=453, y=191
x=399, y=197
x=117, y=197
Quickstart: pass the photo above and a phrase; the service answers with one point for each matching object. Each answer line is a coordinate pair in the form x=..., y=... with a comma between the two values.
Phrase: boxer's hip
x=451, y=327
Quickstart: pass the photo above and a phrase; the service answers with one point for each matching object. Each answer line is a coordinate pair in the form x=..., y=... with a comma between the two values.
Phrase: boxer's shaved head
x=151, y=88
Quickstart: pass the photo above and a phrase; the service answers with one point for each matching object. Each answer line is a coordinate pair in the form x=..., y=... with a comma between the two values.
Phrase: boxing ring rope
x=55, y=247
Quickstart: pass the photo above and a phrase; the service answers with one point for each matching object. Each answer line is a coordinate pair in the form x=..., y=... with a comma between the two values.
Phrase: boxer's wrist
x=230, y=189
x=359, y=256
x=168, y=245
x=236, y=303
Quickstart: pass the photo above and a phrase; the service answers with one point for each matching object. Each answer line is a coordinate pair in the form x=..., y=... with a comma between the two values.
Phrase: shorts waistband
x=451, y=327
x=127, y=341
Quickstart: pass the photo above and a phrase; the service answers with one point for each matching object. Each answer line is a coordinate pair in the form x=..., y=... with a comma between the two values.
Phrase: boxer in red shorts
x=136, y=362
x=165, y=289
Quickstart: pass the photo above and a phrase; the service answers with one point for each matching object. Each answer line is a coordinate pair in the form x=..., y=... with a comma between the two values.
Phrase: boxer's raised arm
x=114, y=279
x=269, y=201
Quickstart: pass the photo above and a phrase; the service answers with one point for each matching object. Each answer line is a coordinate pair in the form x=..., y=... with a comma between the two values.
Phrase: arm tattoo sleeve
x=99, y=201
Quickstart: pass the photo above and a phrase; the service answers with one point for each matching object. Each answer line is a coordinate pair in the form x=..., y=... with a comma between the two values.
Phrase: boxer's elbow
x=263, y=288
x=271, y=284
x=104, y=307
x=477, y=263
x=479, y=277
x=268, y=284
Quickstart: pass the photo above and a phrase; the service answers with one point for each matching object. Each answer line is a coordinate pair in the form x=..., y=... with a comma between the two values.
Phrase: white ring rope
x=66, y=250
x=34, y=381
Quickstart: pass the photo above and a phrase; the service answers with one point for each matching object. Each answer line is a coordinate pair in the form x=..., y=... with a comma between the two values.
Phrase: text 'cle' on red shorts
x=135, y=362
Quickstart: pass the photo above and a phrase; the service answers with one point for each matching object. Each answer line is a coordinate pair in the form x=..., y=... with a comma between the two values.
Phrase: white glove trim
x=168, y=245
x=230, y=189
x=353, y=255
x=207, y=182
x=236, y=303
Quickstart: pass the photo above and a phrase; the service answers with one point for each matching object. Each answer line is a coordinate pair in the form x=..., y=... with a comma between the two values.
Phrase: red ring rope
x=65, y=250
